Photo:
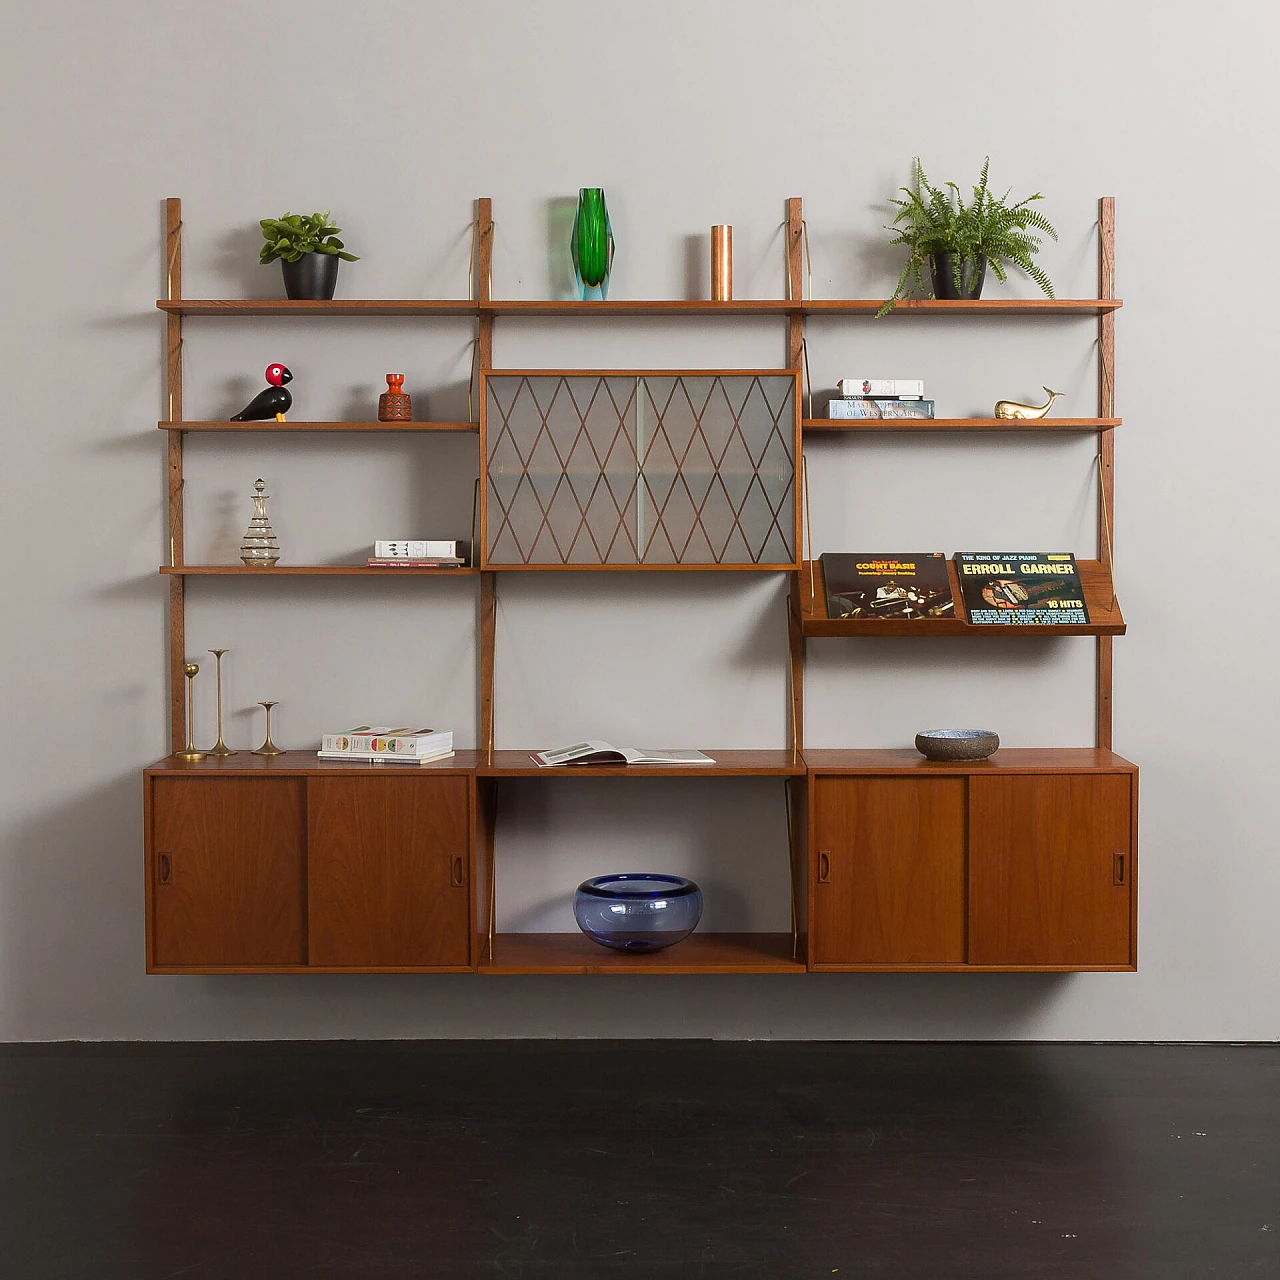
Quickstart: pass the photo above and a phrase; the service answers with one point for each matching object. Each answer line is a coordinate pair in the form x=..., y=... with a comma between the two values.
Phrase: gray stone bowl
x=957, y=744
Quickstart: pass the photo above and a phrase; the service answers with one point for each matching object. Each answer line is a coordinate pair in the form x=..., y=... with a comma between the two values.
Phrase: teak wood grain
x=1050, y=870
x=279, y=308
x=887, y=871
x=1008, y=760
x=175, y=548
x=226, y=866
x=314, y=570
x=297, y=426
x=698, y=953
x=728, y=764
x=305, y=764
x=838, y=426
x=388, y=871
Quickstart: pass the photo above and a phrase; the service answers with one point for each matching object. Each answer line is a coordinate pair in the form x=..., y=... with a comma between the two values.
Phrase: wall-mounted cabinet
x=1025, y=861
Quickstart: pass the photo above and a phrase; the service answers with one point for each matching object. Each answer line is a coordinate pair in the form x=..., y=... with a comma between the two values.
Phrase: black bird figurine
x=274, y=402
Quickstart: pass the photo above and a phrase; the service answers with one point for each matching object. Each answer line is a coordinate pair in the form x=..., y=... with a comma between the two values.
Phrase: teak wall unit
x=1026, y=861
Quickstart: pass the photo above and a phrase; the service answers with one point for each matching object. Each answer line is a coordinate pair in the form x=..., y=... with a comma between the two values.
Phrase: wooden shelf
x=301, y=763
x=698, y=953
x=907, y=760
x=643, y=307
x=308, y=570
x=271, y=425
x=975, y=307
x=1094, y=578
x=277, y=307
x=728, y=764
x=833, y=426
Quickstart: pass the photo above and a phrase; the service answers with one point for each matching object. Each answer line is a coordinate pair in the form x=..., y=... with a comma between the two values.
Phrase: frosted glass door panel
x=640, y=469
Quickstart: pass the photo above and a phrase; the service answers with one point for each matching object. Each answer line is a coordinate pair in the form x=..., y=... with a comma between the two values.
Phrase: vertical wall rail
x=795, y=279
x=1106, y=444
x=795, y=350
x=484, y=365
x=173, y=401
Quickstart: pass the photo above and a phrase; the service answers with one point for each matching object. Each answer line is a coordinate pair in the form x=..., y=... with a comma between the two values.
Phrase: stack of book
x=418, y=553
x=880, y=398
x=385, y=744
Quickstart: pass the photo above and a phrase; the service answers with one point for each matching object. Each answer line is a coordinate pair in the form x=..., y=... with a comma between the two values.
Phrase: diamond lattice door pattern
x=640, y=469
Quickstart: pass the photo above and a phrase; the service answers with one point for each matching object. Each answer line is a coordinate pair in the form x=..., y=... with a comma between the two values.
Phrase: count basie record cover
x=863, y=585
x=1020, y=588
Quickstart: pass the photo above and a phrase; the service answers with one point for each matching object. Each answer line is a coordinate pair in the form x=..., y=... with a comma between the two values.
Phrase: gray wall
x=397, y=115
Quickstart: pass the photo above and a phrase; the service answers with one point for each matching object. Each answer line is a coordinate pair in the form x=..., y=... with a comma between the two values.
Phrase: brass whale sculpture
x=1012, y=409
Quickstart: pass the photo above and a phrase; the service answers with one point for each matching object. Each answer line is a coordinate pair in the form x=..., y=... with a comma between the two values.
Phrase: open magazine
x=594, y=751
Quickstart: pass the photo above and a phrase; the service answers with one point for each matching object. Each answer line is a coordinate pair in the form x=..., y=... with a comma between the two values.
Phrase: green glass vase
x=591, y=245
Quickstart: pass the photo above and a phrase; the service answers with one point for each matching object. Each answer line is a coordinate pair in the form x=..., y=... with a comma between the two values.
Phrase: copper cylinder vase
x=722, y=264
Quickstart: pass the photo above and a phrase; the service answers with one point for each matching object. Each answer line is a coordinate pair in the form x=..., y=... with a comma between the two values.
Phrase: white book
x=419, y=549
x=885, y=387
x=389, y=740
x=381, y=757
x=594, y=751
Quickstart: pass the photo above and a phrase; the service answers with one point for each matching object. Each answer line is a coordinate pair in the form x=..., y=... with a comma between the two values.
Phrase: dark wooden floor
x=653, y=1160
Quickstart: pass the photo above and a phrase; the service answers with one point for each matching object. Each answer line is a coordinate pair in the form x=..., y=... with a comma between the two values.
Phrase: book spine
x=389, y=746
x=373, y=757
x=417, y=548
x=881, y=386
x=404, y=562
x=880, y=409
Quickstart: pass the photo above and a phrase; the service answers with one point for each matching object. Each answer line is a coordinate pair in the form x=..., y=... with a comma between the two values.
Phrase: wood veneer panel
x=1008, y=760
x=698, y=953
x=281, y=307
x=887, y=874
x=306, y=764
x=287, y=427
x=320, y=570
x=837, y=426
x=963, y=307
x=1050, y=870
x=728, y=764
x=388, y=871
x=226, y=868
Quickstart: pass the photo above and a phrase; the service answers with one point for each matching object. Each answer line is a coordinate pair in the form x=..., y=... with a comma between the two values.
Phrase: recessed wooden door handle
x=1118, y=868
x=824, y=866
x=164, y=869
x=457, y=870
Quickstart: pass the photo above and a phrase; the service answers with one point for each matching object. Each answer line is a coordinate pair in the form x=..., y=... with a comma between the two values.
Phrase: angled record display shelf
x=1025, y=861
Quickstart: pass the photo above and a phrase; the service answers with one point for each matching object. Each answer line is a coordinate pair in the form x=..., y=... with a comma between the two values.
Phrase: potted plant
x=308, y=248
x=957, y=240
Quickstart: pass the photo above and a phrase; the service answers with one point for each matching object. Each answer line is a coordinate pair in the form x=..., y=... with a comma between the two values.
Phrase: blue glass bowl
x=637, y=911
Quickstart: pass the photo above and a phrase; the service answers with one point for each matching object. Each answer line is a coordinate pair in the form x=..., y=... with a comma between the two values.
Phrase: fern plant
x=933, y=220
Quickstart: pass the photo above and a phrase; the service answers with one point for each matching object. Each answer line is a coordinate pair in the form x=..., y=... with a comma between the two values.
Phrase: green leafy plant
x=937, y=220
x=299, y=233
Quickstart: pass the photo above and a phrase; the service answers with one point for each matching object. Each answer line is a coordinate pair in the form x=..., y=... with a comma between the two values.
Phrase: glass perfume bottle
x=591, y=245
x=259, y=549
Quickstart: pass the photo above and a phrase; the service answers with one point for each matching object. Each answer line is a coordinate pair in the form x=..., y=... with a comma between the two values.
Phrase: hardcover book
x=867, y=585
x=387, y=740
x=420, y=548
x=1020, y=588
x=889, y=387
x=879, y=408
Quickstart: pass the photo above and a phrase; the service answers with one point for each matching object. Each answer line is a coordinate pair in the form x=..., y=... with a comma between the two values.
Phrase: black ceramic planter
x=314, y=276
x=973, y=270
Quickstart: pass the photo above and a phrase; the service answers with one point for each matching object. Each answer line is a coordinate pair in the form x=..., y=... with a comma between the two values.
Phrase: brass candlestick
x=722, y=263
x=219, y=748
x=190, y=755
x=268, y=747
